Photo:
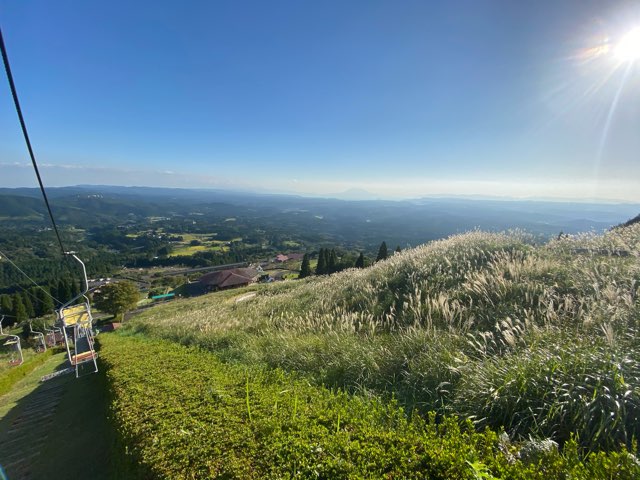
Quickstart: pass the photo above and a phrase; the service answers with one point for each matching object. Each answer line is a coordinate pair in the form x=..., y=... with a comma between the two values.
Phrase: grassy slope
x=181, y=413
x=538, y=339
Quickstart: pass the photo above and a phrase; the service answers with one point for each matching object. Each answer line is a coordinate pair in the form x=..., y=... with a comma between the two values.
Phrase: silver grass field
x=540, y=339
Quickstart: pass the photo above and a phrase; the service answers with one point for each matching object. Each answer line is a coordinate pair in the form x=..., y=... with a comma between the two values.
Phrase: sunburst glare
x=628, y=49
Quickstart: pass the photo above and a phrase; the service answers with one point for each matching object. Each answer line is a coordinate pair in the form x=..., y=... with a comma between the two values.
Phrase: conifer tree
x=398, y=249
x=44, y=305
x=321, y=267
x=382, y=252
x=28, y=305
x=6, y=305
x=64, y=291
x=19, y=312
x=332, y=261
x=53, y=290
x=360, y=261
x=305, y=268
x=74, y=288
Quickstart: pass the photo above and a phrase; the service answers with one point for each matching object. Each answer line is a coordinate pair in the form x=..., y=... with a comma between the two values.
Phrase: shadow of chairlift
x=76, y=324
x=12, y=342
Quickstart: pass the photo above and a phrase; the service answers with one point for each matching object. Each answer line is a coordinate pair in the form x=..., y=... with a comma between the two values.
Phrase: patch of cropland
x=538, y=339
x=182, y=413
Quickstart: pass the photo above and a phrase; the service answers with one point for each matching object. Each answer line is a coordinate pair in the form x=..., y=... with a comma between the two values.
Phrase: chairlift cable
x=4, y=255
x=82, y=333
x=27, y=292
x=14, y=94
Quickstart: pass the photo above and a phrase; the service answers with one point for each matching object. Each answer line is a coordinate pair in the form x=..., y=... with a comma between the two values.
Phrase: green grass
x=12, y=375
x=80, y=423
x=182, y=413
x=15, y=384
x=477, y=325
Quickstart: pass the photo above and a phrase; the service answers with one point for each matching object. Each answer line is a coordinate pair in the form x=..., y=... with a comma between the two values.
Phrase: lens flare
x=628, y=49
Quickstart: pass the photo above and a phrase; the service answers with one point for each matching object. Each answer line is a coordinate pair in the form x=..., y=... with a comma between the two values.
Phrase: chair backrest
x=77, y=314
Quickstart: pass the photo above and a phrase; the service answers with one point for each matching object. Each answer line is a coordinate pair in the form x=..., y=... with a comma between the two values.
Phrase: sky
x=396, y=98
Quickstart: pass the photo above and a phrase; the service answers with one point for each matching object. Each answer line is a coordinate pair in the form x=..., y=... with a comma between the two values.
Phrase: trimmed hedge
x=179, y=412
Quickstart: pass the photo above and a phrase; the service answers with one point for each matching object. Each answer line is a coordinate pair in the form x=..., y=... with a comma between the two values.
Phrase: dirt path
x=244, y=297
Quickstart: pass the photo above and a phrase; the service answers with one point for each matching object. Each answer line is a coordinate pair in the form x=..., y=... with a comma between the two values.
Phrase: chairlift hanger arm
x=84, y=279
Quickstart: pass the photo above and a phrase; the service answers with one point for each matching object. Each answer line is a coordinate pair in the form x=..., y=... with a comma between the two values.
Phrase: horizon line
x=345, y=195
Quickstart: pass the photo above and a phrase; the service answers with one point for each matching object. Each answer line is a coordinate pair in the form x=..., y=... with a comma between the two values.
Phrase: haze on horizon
x=401, y=100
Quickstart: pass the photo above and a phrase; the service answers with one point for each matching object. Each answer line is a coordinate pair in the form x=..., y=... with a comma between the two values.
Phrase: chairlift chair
x=54, y=336
x=76, y=323
x=41, y=344
x=12, y=342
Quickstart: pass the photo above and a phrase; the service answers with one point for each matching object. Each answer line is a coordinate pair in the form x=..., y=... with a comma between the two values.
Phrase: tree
x=382, y=252
x=360, y=261
x=28, y=305
x=6, y=305
x=53, y=290
x=305, y=268
x=44, y=305
x=117, y=298
x=64, y=291
x=332, y=261
x=321, y=267
x=74, y=288
x=398, y=249
x=18, y=309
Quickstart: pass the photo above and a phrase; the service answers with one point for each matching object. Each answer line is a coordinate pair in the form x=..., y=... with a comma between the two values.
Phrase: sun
x=628, y=49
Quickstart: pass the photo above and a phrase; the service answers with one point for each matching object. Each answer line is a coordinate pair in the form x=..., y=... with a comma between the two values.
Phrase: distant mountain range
x=407, y=221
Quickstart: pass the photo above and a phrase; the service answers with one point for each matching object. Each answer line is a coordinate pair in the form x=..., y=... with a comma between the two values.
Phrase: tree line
x=329, y=262
x=36, y=302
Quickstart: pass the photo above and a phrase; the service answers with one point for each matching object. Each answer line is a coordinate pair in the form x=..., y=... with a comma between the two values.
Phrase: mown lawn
x=181, y=413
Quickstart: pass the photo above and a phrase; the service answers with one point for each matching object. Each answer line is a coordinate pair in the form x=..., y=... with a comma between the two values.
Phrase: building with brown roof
x=281, y=257
x=232, y=278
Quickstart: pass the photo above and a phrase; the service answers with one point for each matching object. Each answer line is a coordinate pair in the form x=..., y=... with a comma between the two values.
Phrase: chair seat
x=82, y=357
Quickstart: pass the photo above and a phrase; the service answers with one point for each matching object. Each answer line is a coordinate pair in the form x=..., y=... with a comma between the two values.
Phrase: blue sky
x=399, y=98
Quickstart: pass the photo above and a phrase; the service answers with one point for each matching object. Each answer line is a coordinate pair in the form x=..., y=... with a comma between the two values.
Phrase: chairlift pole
x=39, y=336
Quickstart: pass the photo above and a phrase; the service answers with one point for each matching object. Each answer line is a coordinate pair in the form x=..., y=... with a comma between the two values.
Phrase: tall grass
x=541, y=339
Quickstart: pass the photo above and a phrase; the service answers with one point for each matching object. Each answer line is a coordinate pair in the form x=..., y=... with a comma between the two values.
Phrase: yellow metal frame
x=77, y=314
